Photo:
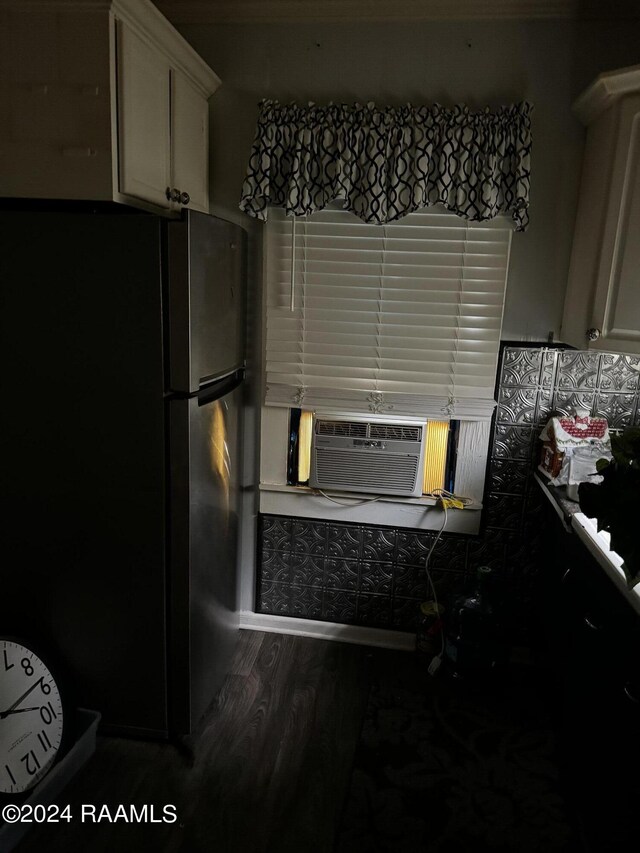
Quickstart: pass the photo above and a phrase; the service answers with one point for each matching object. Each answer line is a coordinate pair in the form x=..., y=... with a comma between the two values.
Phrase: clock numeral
x=48, y=714
x=26, y=665
x=7, y=665
x=27, y=760
x=11, y=776
x=46, y=688
x=45, y=743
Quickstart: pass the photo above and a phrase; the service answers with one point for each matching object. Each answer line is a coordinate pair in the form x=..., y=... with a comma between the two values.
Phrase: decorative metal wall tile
x=521, y=366
x=274, y=598
x=523, y=559
x=304, y=558
x=339, y=606
x=344, y=541
x=517, y=405
x=578, y=371
x=379, y=543
x=488, y=551
x=619, y=372
x=450, y=553
x=616, y=408
x=276, y=566
x=544, y=407
x=307, y=569
x=376, y=577
x=508, y=476
x=413, y=547
x=309, y=537
x=636, y=417
x=405, y=613
x=512, y=442
x=410, y=581
x=341, y=574
x=374, y=610
x=306, y=602
x=276, y=533
x=548, y=368
x=534, y=523
x=499, y=536
x=504, y=511
x=566, y=402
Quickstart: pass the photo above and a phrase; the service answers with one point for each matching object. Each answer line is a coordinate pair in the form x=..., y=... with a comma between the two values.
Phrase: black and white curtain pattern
x=386, y=163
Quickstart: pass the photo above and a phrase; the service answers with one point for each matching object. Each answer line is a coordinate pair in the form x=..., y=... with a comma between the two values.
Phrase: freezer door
x=206, y=292
x=203, y=618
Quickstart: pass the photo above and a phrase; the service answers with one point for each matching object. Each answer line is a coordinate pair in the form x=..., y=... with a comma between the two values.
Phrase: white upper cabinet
x=103, y=100
x=189, y=141
x=602, y=306
x=144, y=143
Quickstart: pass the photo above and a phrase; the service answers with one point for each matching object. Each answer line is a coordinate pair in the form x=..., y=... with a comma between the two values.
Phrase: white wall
x=478, y=63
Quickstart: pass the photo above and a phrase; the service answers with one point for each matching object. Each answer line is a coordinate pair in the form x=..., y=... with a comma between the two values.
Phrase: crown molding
x=337, y=11
x=604, y=90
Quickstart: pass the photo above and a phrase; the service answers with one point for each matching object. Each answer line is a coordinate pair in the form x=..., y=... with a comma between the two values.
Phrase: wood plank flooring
x=267, y=772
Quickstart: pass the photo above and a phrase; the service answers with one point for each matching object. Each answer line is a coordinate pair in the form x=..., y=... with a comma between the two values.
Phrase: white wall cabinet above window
x=602, y=306
x=103, y=100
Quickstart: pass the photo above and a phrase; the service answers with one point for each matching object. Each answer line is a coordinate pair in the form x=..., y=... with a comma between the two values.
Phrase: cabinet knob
x=593, y=334
x=185, y=198
x=172, y=194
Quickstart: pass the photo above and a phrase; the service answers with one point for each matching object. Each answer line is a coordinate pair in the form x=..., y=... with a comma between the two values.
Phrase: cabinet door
x=143, y=119
x=189, y=141
x=616, y=307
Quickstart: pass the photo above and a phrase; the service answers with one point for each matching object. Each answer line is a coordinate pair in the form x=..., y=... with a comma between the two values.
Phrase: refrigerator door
x=83, y=455
x=204, y=503
x=206, y=258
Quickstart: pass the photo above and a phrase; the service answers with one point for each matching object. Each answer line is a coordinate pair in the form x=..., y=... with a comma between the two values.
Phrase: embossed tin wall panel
x=616, y=408
x=619, y=372
x=578, y=371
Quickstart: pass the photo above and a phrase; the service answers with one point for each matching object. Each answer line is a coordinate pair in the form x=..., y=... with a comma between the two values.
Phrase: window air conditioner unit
x=381, y=457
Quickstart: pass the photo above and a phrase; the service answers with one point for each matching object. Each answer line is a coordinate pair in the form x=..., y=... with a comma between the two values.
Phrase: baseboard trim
x=327, y=631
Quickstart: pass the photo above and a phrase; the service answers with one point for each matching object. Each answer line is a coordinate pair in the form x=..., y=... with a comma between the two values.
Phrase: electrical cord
x=445, y=495
x=347, y=503
x=437, y=660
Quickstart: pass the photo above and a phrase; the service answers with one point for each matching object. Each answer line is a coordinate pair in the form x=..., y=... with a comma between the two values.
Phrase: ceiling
x=279, y=11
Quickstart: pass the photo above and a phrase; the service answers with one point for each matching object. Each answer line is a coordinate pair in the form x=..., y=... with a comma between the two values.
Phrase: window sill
x=417, y=513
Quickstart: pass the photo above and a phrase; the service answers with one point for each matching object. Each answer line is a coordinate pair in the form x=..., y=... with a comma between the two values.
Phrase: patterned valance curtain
x=386, y=163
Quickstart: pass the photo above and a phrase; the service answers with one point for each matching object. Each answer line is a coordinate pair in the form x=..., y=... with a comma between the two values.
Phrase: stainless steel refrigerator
x=123, y=357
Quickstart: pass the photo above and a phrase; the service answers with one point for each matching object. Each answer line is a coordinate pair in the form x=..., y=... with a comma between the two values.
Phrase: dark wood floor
x=268, y=772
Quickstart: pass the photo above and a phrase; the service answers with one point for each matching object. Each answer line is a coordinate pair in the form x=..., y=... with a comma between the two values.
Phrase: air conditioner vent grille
x=349, y=429
x=359, y=429
x=395, y=431
x=359, y=471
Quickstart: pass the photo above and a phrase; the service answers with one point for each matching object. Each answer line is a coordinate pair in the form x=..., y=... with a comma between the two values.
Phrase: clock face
x=30, y=718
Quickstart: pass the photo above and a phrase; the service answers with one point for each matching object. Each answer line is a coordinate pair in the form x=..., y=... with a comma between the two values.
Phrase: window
x=401, y=319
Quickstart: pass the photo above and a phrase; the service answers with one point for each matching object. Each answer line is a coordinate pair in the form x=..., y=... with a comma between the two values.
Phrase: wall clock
x=31, y=717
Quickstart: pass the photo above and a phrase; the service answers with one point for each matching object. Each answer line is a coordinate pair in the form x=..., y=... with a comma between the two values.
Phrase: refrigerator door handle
x=221, y=387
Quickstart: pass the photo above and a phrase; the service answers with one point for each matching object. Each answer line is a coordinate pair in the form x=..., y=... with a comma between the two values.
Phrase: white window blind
x=402, y=318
